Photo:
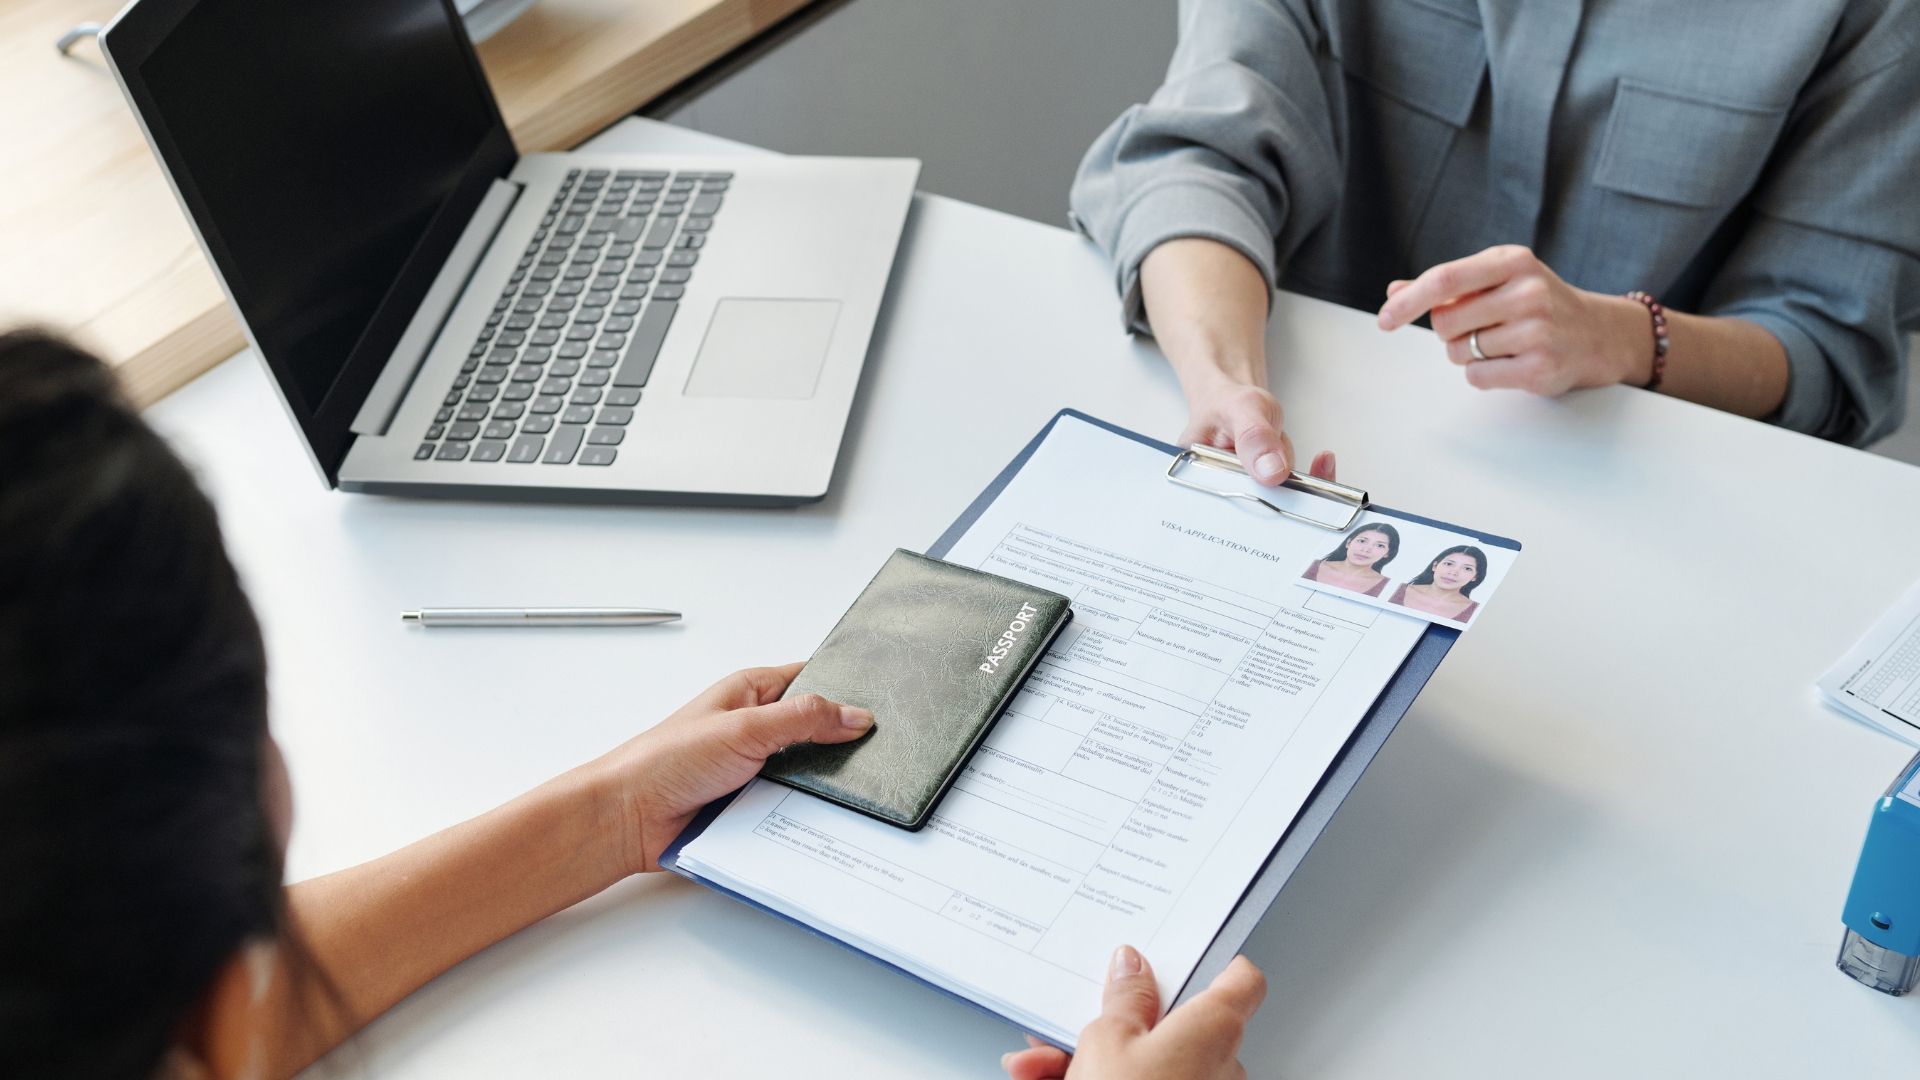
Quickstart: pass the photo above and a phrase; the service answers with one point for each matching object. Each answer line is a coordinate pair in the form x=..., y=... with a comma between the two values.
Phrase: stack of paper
x=1878, y=681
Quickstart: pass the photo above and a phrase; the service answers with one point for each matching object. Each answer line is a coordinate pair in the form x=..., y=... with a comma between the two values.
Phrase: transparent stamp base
x=1883, y=969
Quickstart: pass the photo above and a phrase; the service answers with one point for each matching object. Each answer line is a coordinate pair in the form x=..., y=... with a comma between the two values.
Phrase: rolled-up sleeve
x=1236, y=146
x=1830, y=261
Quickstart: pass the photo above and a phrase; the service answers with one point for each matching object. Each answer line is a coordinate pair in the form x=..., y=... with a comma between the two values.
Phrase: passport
x=936, y=651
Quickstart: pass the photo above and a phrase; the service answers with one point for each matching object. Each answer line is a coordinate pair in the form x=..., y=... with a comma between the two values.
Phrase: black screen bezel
x=130, y=41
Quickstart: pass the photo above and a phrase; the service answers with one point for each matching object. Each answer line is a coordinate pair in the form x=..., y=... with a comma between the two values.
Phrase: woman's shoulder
x=1313, y=570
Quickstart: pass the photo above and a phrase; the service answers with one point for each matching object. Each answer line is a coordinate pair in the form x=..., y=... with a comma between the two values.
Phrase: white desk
x=1611, y=840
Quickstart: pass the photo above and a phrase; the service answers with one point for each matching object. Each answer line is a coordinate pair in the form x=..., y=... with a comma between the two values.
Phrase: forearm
x=1208, y=306
x=381, y=930
x=1726, y=363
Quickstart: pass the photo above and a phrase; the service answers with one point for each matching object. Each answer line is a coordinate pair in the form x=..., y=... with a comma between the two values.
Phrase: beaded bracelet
x=1659, y=335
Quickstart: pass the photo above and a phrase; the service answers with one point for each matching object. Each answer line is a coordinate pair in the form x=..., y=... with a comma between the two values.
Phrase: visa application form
x=1138, y=781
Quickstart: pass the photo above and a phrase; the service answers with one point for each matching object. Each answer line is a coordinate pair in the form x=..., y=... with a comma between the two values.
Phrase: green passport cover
x=936, y=651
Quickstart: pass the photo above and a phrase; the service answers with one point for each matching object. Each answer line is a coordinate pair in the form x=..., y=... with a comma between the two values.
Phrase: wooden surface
x=93, y=245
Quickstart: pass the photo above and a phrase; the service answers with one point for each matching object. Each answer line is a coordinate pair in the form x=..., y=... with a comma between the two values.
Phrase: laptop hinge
x=383, y=401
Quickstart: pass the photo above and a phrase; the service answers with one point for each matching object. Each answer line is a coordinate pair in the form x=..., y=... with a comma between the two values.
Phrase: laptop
x=445, y=317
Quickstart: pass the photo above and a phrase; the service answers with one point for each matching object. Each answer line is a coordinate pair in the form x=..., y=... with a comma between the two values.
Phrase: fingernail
x=1269, y=466
x=1126, y=961
x=855, y=717
x=1004, y=1058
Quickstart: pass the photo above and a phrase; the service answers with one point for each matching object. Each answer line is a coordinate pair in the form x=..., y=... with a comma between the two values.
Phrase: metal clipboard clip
x=1352, y=497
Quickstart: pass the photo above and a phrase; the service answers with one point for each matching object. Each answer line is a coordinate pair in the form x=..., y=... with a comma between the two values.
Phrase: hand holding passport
x=936, y=651
x=1157, y=783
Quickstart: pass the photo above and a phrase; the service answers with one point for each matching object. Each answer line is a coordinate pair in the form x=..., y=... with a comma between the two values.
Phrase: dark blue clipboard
x=1367, y=739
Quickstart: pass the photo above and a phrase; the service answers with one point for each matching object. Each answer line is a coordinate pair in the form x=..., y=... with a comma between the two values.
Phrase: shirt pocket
x=1680, y=148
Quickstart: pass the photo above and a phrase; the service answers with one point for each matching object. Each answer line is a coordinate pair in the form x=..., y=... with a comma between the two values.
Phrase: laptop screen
x=316, y=141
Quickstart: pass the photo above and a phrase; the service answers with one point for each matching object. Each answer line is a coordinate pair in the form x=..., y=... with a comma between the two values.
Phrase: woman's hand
x=1246, y=419
x=1208, y=306
x=714, y=744
x=1197, y=1041
x=1539, y=333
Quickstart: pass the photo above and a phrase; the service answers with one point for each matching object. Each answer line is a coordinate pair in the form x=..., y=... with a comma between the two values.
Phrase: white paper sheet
x=1878, y=681
x=1139, y=780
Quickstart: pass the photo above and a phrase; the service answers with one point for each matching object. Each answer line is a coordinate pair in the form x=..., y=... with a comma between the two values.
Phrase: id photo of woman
x=1445, y=587
x=1357, y=563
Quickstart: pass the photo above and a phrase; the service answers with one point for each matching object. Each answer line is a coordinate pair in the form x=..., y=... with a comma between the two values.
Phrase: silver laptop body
x=443, y=317
x=748, y=397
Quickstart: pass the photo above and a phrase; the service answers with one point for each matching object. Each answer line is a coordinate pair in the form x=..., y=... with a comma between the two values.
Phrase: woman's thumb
x=1132, y=997
x=767, y=729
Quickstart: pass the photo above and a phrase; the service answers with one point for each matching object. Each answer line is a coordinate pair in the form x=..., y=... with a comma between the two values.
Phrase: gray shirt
x=1749, y=158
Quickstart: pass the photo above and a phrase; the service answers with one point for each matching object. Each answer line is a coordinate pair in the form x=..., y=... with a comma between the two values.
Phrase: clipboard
x=1339, y=780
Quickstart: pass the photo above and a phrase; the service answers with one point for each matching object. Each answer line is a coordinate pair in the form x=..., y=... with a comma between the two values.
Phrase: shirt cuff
x=1811, y=386
x=1184, y=207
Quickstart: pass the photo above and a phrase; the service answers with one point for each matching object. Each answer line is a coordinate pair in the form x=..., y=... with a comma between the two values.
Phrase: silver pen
x=541, y=616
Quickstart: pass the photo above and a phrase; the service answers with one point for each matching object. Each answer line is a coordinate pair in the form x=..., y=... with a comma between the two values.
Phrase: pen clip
x=1198, y=454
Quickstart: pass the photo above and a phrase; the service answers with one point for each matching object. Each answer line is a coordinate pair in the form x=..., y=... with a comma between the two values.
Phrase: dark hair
x=1479, y=567
x=1392, y=534
x=136, y=848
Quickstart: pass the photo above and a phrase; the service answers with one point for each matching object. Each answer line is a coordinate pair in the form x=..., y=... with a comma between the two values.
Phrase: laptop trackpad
x=763, y=349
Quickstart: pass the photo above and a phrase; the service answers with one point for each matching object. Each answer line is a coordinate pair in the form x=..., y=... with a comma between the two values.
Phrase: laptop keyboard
x=557, y=372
